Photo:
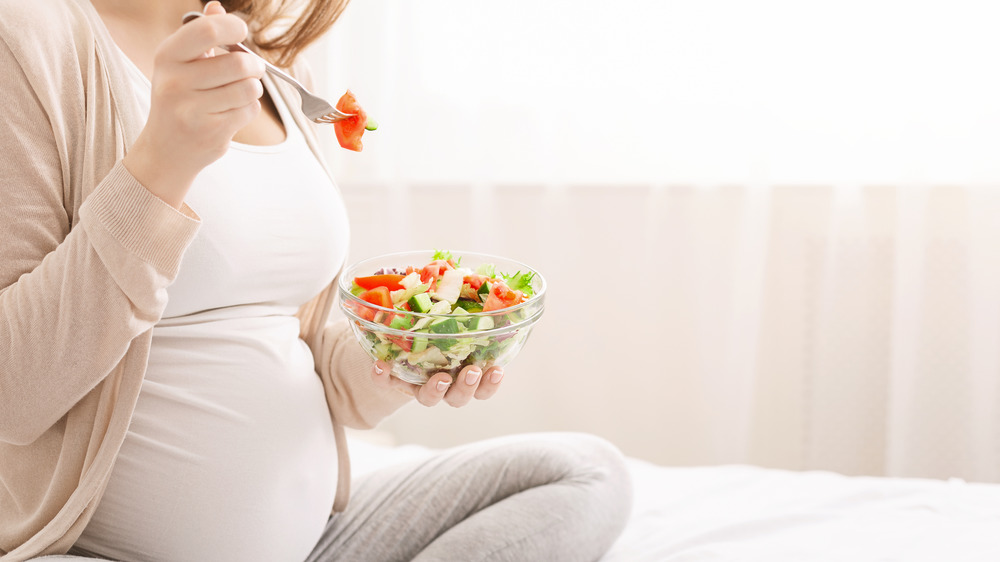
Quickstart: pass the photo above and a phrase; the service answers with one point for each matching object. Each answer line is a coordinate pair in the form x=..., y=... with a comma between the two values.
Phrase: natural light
x=648, y=91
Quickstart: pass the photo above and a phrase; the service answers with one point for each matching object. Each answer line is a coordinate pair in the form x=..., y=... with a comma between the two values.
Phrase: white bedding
x=740, y=513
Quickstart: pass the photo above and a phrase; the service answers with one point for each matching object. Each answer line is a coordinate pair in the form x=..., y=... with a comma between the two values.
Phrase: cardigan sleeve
x=71, y=298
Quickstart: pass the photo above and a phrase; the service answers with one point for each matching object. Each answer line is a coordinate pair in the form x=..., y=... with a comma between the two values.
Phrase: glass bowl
x=419, y=344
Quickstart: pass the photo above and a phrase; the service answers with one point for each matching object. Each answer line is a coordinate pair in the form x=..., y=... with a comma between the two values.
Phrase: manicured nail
x=443, y=386
x=496, y=376
x=378, y=370
x=472, y=377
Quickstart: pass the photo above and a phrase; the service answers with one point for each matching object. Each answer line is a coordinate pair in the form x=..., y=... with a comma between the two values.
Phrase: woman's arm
x=361, y=393
x=71, y=300
x=354, y=399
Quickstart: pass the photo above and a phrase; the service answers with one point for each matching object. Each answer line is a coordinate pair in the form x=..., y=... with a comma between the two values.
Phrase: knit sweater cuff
x=144, y=224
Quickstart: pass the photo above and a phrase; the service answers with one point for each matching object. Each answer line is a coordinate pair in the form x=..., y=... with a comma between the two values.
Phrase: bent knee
x=591, y=460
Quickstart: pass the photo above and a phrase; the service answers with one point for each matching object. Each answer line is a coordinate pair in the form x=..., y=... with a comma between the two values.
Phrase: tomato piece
x=402, y=341
x=389, y=281
x=501, y=296
x=378, y=296
x=363, y=311
x=349, y=130
x=501, y=289
x=434, y=270
x=493, y=302
x=475, y=280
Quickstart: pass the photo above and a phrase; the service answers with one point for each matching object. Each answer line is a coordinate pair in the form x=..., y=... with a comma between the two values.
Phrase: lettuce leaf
x=520, y=282
x=445, y=255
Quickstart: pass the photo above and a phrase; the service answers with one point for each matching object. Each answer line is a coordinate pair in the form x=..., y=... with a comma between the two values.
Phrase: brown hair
x=282, y=29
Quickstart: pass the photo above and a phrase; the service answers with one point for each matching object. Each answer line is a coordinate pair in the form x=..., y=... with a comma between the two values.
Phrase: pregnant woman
x=170, y=385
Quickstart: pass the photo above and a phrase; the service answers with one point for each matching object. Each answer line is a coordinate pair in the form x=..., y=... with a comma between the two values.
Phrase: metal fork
x=314, y=107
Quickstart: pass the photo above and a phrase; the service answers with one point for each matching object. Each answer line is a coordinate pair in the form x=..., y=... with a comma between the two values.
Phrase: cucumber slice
x=419, y=344
x=444, y=326
x=468, y=306
x=400, y=323
x=481, y=323
x=371, y=125
x=420, y=302
x=382, y=350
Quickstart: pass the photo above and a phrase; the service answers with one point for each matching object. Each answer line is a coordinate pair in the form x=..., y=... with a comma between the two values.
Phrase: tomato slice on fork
x=350, y=130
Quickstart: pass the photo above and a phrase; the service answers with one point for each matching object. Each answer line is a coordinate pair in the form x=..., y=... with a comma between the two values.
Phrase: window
x=702, y=92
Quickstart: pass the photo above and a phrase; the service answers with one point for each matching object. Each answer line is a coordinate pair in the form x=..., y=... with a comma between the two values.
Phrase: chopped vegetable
x=350, y=130
x=392, y=282
x=520, y=282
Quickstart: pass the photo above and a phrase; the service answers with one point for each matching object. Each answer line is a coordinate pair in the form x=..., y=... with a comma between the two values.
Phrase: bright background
x=770, y=228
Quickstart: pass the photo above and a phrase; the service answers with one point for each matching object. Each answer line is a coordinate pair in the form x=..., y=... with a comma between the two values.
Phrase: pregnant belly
x=230, y=454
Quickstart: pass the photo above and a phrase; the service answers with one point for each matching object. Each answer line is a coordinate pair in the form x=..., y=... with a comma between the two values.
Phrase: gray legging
x=545, y=496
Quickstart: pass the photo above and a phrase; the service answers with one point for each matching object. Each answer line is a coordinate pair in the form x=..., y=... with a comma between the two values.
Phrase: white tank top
x=230, y=454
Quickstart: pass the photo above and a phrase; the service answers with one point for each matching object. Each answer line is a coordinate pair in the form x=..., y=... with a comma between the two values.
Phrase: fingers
x=232, y=96
x=225, y=69
x=382, y=377
x=214, y=7
x=239, y=117
x=193, y=39
x=470, y=383
x=464, y=387
x=490, y=383
x=212, y=85
x=434, y=390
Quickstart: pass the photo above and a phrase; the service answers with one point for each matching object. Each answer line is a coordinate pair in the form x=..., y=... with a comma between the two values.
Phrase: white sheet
x=743, y=513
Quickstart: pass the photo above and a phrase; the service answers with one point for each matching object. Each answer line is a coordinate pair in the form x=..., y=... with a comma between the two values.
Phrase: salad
x=441, y=315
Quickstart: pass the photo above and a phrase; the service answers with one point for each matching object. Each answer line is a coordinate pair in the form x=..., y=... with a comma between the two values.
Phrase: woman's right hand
x=199, y=101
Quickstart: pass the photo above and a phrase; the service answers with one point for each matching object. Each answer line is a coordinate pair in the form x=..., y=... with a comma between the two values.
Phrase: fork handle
x=271, y=69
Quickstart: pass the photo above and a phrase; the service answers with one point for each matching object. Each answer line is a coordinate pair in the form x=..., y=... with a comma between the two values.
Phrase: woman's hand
x=199, y=101
x=470, y=383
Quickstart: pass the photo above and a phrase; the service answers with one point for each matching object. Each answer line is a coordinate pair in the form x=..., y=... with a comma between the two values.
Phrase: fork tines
x=333, y=117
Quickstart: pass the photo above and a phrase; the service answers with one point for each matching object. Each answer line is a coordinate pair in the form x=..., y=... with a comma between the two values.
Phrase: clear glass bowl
x=452, y=341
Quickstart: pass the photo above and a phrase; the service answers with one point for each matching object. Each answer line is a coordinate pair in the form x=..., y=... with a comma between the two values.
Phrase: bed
x=739, y=513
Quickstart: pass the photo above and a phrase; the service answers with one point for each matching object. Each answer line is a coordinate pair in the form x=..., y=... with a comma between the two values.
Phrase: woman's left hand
x=470, y=383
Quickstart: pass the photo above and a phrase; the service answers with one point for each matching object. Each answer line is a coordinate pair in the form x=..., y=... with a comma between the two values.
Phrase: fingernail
x=378, y=370
x=496, y=376
x=472, y=377
x=443, y=385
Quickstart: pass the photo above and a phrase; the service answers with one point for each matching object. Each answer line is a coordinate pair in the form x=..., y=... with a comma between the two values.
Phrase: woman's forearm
x=355, y=401
x=69, y=315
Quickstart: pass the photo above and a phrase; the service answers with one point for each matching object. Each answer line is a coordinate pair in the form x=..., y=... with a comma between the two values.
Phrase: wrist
x=161, y=177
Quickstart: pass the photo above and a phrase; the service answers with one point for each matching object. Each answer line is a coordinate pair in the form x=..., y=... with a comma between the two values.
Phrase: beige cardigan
x=86, y=256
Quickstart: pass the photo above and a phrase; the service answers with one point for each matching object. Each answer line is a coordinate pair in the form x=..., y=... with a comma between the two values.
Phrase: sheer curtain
x=770, y=228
